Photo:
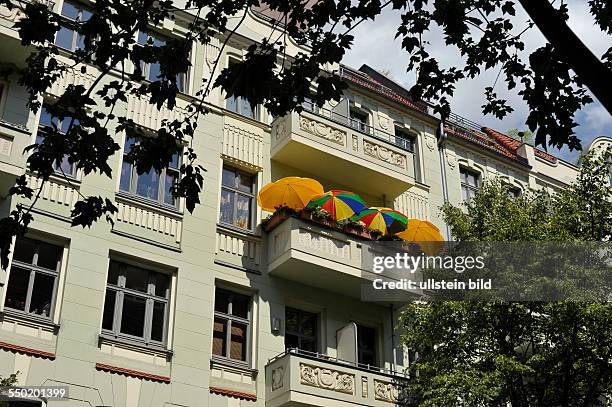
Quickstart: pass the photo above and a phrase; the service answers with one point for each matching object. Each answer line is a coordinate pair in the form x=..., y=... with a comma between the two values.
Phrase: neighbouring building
x=168, y=308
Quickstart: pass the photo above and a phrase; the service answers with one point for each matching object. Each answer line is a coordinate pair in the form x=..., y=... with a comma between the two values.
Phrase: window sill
x=69, y=180
x=225, y=362
x=248, y=119
x=134, y=344
x=238, y=230
x=29, y=318
x=121, y=195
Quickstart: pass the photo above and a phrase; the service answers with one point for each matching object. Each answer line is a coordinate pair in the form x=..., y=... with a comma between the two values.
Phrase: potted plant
x=318, y=215
x=279, y=216
x=354, y=227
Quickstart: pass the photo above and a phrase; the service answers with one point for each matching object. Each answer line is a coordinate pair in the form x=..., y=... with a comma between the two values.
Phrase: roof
x=456, y=126
x=366, y=81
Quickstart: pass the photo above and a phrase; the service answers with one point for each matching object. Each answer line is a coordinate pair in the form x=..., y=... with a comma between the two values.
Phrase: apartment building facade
x=167, y=308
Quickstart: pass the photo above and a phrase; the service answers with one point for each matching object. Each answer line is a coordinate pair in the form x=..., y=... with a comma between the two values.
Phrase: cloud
x=375, y=45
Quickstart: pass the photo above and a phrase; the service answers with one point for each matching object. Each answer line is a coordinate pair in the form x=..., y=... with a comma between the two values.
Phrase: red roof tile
x=514, y=144
x=133, y=373
x=365, y=81
x=490, y=139
x=27, y=351
x=233, y=393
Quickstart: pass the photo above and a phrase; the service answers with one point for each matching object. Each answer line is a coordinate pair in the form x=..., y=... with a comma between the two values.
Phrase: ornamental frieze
x=384, y=154
x=385, y=391
x=323, y=130
x=327, y=379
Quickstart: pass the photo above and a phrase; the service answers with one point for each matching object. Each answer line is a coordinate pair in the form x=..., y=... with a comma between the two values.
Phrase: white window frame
x=145, y=69
x=229, y=318
x=161, y=192
x=252, y=195
x=256, y=111
x=40, y=129
x=300, y=335
x=465, y=185
x=120, y=291
x=69, y=23
x=59, y=282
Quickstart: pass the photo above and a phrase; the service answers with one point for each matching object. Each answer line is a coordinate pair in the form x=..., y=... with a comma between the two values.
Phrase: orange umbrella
x=292, y=192
x=425, y=234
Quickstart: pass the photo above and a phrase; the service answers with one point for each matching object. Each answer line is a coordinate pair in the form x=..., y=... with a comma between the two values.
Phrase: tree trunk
x=583, y=62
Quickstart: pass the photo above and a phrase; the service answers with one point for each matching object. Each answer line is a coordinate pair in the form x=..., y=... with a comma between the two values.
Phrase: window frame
x=3, y=96
x=314, y=338
x=410, y=137
x=161, y=187
x=35, y=269
x=465, y=185
x=70, y=24
x=240, y=100
x=229, y=318
x=360, y=126
x=42, y=128
x=145, y=67
x=235, y=191
x=150, y=298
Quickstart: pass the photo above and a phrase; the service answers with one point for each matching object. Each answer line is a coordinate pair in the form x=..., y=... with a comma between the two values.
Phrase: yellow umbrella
x=293, y=192
x=425, y=234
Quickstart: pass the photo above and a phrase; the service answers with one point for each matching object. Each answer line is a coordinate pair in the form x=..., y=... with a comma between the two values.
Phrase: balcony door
x=300, y=330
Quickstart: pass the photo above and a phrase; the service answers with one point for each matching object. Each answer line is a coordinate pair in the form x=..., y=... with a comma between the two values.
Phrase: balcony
x=333, y=147
x=12, y=138
x=299, y=379
x=321, y=256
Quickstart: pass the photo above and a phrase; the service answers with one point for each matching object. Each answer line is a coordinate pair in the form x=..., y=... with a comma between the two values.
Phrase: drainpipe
x=394, y=356
x=442, y=150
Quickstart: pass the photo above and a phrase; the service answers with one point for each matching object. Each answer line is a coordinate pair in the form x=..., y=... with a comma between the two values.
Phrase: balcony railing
x=335, y=360
x=359, y=126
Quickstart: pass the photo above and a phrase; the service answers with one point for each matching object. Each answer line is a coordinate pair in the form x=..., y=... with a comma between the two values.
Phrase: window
x=151, y=71
x=366, y=345
x=237, y=198
x=300, y=330
x=32, y=284
x=240, y=105
x=136, y=304
x=404, y=140
x=46, y=124
x=470, y=182
x=514, y=192
x=232, y=325
x=150, y=185
x=67, y=37
x=358, y=120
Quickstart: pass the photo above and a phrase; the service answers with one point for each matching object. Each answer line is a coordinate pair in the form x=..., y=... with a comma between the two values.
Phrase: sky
x=374, y=45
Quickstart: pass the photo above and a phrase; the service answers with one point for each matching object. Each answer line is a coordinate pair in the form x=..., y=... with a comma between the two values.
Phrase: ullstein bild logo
x=431, y=284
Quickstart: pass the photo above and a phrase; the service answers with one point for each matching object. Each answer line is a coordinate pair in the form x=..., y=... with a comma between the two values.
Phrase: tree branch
x=591, y=71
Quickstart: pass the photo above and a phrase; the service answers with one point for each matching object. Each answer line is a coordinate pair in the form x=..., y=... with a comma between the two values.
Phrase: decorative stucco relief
x=451, y=160
x=277, y=378
x=281, y=128
x=322, y=130
x=385, y=391
x=383, y=121
x=384, y=154
x=327, y=379
x=430, y=142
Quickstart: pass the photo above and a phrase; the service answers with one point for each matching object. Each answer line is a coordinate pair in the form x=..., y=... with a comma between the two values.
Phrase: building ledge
x=133, y=373
x=27, y=351
x=233, y=393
